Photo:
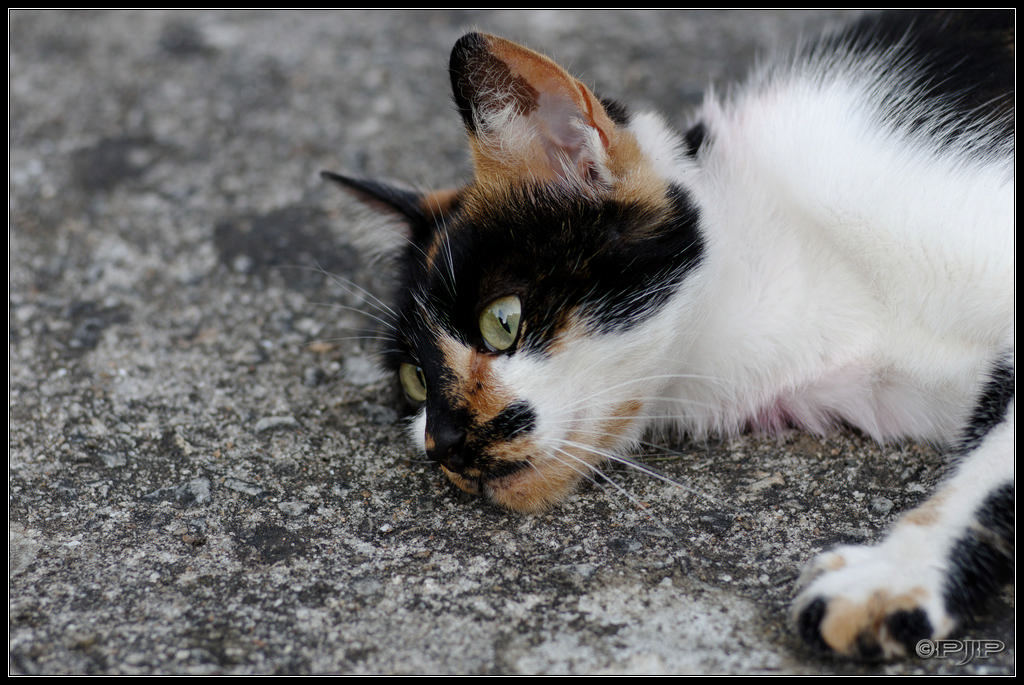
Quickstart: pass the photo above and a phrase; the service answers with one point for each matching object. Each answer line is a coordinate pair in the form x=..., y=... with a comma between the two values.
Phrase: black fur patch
x=612, y=264
x=616, y=111
x=388, y=198
x=459, y=69
x=695, y=137
x=965, y=68
x=514, y=420
x=990, y=409
x=982, y=560
x=809, y=624
x=909, y=628
x=472, y=64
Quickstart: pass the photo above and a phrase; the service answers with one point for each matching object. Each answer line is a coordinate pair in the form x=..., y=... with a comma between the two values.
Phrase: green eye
x=499, y=322
x=413, y=382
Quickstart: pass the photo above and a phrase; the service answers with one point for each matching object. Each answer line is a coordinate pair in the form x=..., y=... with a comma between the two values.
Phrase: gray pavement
x=206, y=472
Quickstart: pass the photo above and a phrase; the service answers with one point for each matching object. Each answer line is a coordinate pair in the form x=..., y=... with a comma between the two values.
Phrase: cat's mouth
x=524, y=486
x=478, y=482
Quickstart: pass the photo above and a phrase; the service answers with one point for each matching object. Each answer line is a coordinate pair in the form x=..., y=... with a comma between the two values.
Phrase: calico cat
x=833, y=243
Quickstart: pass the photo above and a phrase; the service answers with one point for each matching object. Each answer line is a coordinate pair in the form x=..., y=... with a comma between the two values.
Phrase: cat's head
x=528, y=318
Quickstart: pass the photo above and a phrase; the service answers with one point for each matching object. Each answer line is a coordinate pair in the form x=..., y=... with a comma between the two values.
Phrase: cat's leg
x=937, y=566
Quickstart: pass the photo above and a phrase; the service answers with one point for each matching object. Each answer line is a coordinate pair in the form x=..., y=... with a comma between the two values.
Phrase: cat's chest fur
x=852, y=271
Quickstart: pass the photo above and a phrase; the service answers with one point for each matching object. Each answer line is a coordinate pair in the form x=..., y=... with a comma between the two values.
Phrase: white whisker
x=592, y=469
x=353, y=288
x=333, y=305
x=641, y=468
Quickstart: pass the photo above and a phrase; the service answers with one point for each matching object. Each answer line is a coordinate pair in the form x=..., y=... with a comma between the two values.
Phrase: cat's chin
x=520, y=487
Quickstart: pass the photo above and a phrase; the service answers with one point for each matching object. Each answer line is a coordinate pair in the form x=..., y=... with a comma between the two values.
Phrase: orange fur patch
x=532, y=490
x=927, y=514
x=439, y=203
x=477, y=388
x=846, y=619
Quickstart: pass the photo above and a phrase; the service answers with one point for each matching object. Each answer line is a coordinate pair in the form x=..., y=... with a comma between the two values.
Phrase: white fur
x=849, y=273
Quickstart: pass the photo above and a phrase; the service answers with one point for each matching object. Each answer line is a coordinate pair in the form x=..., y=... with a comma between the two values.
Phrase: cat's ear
x=527, y=117
x=403, y=215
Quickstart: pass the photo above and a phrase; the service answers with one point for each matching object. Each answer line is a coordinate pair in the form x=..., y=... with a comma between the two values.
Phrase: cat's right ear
x=529, y=118
x=403, y=215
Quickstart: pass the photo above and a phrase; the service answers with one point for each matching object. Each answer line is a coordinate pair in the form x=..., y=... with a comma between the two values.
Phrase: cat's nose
x=446, y=445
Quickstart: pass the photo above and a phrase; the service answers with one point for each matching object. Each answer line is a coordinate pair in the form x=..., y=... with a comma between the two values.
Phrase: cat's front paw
x=871, y=602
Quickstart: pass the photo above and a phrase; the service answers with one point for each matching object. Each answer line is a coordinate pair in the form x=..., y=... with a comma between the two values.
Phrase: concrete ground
x=206, y=472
